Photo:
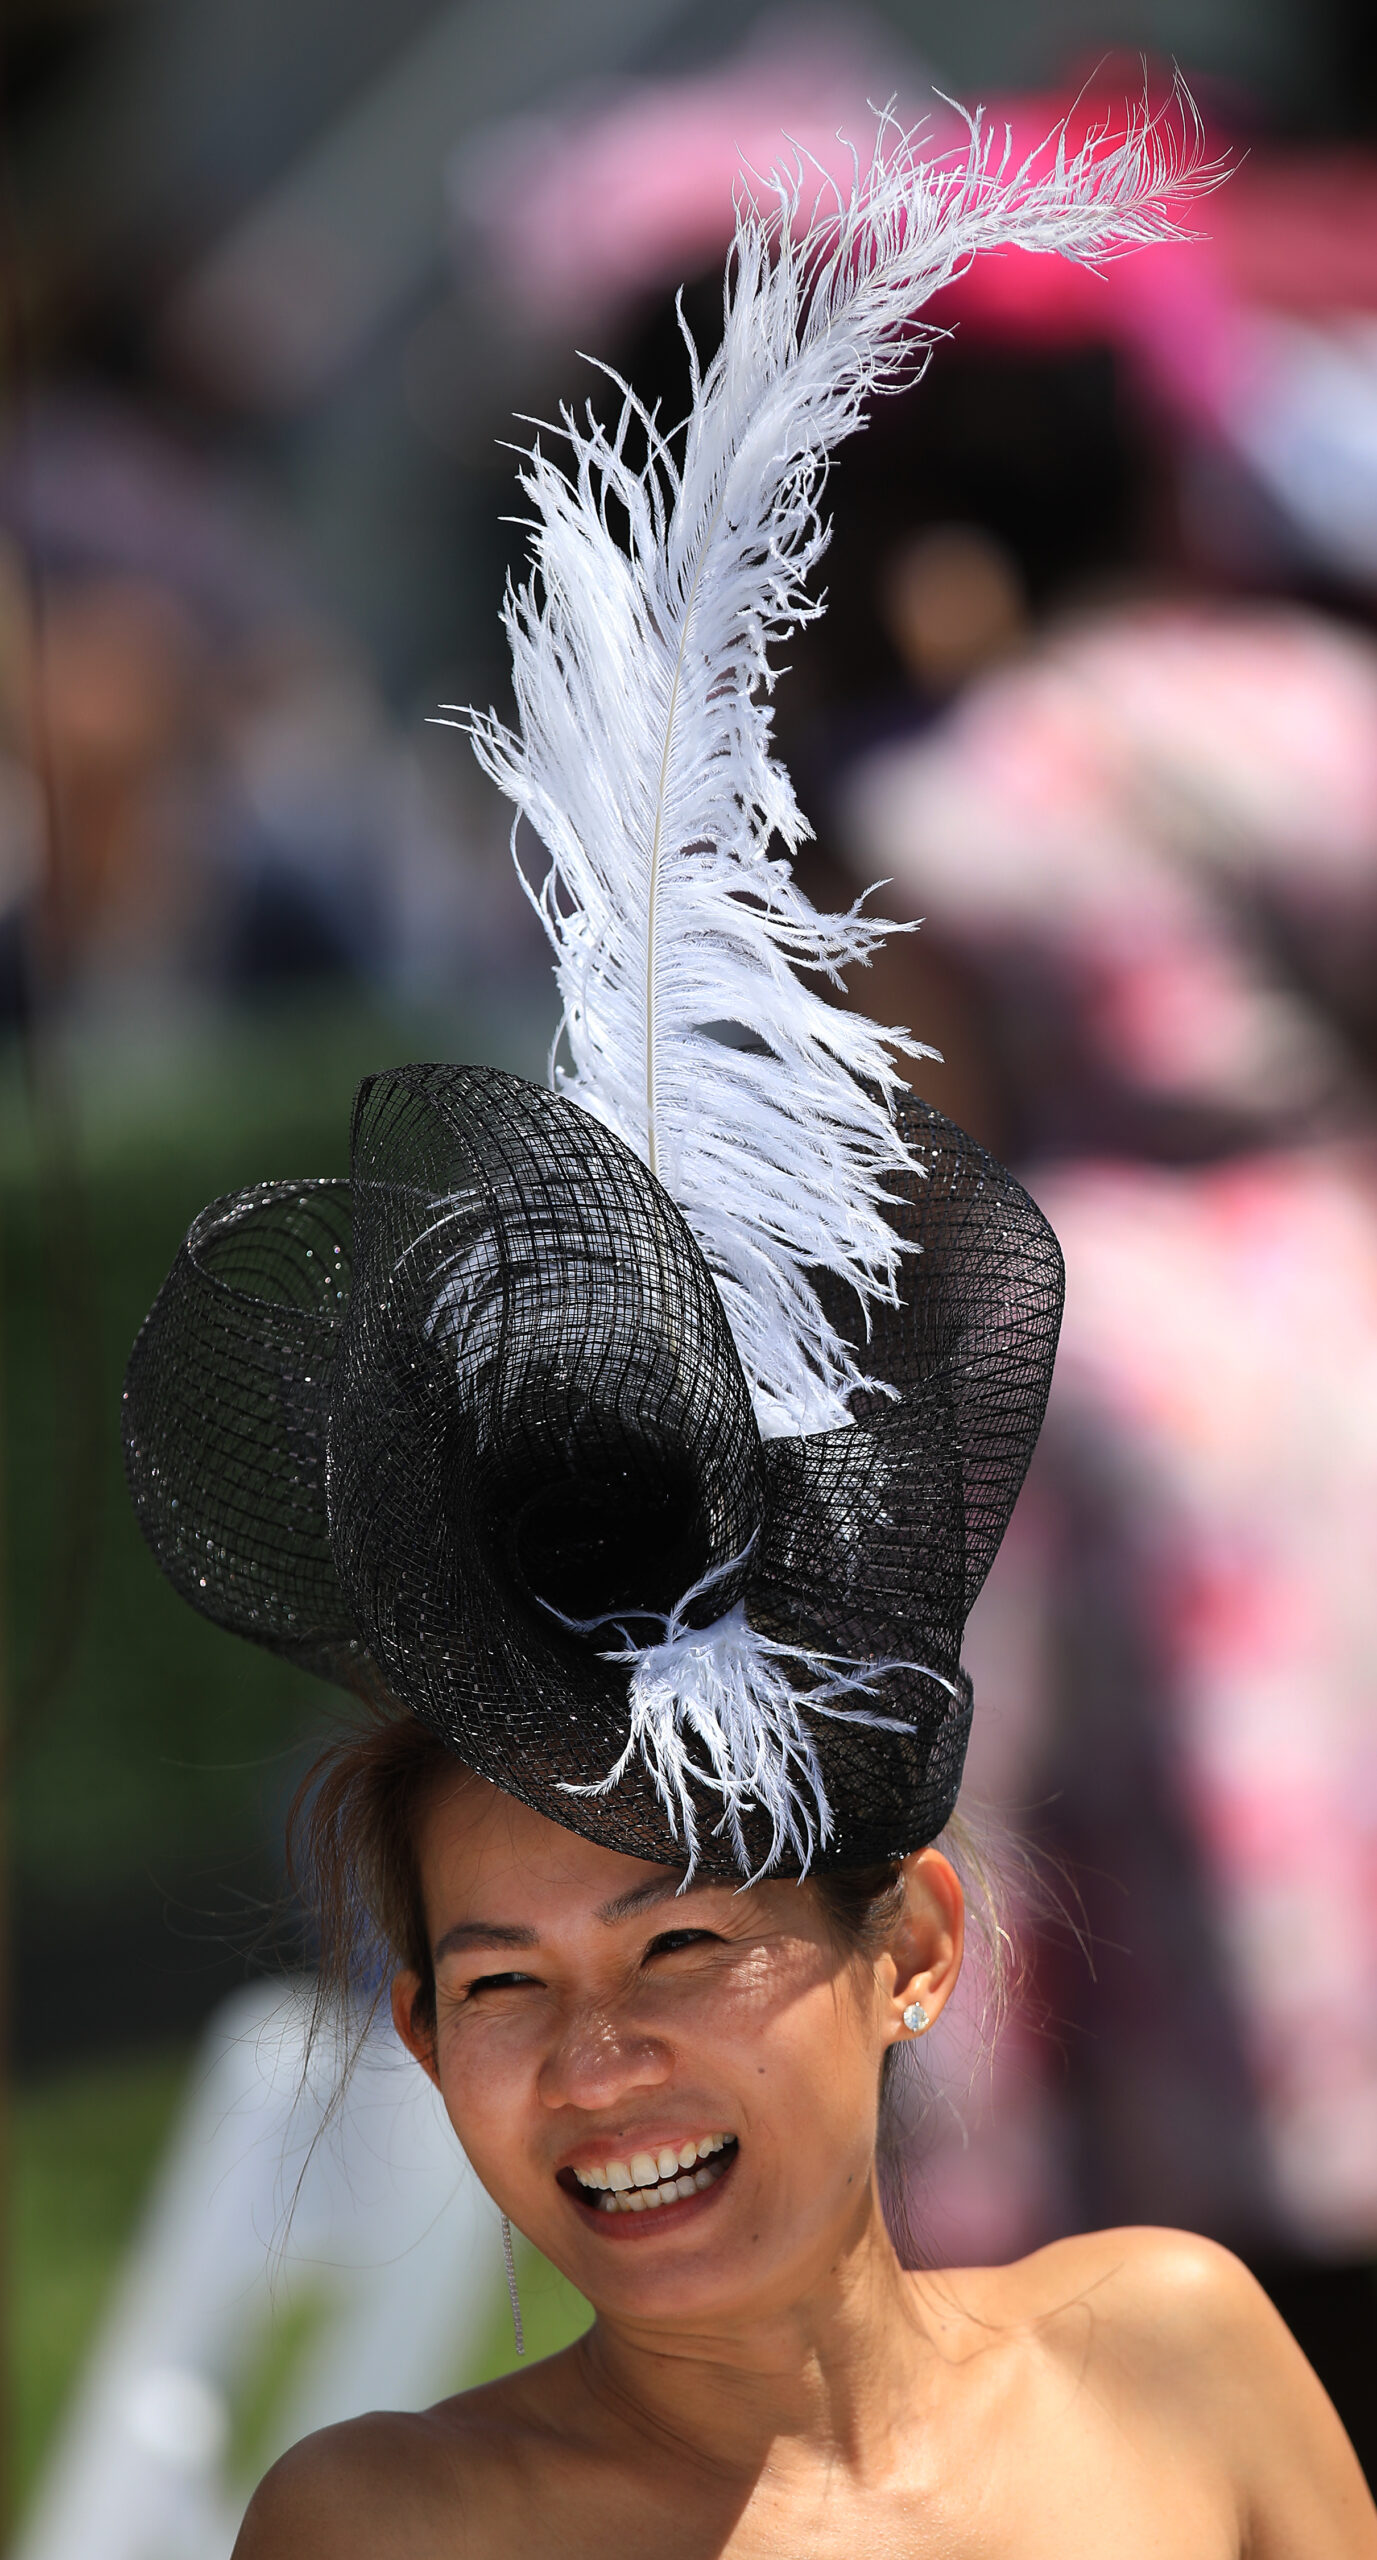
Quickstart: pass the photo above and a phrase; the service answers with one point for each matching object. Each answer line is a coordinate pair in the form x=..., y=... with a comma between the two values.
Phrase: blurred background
x=1096, y=694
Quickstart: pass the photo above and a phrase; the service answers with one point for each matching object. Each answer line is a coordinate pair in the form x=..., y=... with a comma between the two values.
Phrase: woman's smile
x=661, y=2181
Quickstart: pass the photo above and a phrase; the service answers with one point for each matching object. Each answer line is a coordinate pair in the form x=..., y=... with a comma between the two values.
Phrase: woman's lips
x=622, y=2215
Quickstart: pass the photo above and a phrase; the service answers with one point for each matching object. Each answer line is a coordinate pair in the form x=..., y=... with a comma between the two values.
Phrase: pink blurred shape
x=584, y=211
x=579, y=214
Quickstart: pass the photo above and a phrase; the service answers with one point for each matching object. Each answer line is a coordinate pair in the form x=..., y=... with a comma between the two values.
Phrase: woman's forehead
x=478, y=1845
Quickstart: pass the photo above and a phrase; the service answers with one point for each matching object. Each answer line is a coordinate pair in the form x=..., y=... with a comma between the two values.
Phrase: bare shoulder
x=1175, y=2331
x=1149, y=2292
x=361, y=2488
x=395, y=2486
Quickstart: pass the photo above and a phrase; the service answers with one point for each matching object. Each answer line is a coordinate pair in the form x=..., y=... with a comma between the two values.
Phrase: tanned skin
x=763, y=2380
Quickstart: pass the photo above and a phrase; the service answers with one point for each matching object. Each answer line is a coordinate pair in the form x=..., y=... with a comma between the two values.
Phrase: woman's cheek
x=783, y=2000
x=765, y=1982
x=487, y=2069
x=822, y=2045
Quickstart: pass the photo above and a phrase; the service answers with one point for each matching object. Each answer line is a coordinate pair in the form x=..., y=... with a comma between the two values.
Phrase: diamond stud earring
x=916, y=2018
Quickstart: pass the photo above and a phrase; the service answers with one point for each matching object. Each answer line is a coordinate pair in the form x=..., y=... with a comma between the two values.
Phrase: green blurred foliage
x=274, y=2360
x=553, y=2314
x=83, y=2149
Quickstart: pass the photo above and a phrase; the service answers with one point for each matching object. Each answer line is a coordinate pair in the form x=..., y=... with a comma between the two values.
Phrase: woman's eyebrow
x=625, y=1906
x=482, y=1933
x=643, y=1897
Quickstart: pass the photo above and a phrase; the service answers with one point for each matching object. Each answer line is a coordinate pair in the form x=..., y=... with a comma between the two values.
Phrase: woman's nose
x=599, y=2058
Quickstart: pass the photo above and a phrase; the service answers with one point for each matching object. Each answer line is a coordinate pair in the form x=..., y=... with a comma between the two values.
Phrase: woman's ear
x=417, y=2032
x=922, y=1961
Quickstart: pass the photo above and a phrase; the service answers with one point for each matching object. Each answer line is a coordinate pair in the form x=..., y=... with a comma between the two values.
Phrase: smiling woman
x=565, y=2001
x=357, y=1850
x=675, y=2090
x=638, y=1451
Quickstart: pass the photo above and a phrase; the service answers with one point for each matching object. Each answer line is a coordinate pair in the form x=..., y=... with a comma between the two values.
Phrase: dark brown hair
x=352, y=1855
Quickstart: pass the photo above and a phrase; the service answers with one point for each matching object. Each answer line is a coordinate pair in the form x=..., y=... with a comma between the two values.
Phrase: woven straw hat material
x=392, y=1428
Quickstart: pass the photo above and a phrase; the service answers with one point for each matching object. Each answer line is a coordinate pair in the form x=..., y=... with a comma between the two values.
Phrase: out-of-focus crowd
x=203, y=795
x=1145, y=846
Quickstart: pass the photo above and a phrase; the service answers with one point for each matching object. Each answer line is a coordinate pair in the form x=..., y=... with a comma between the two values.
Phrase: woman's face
x=713, y=2053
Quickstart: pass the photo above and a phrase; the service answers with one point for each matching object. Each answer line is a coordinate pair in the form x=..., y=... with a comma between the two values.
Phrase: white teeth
x=670, y=2191
x=669, y=2170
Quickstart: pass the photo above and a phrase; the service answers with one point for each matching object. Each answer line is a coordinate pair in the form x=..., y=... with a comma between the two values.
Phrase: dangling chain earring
x=916, y=2018
x=510, y=2263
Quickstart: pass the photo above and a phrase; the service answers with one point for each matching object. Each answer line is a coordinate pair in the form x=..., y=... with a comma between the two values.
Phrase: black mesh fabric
x=405, y=1429
x=225, y=1415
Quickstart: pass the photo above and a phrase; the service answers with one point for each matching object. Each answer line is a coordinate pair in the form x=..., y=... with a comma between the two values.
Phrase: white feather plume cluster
x=666, y=569
x=726, y=1708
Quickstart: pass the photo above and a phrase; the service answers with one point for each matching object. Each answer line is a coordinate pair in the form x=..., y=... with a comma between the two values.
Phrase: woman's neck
x=827, y=2374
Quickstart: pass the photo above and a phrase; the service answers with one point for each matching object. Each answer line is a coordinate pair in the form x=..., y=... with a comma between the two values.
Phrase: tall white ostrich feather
x=666, y=569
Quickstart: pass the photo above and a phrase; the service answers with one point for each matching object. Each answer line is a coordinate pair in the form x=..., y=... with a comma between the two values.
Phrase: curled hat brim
x=408, y=1429
x=225, y=1402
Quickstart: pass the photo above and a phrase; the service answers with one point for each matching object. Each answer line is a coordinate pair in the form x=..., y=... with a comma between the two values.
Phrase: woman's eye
x=497, y=1982
x=671, y=1940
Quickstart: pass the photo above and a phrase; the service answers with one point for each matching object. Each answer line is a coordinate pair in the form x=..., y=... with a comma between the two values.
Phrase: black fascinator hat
x=651, y=1437
x=459, y=1429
